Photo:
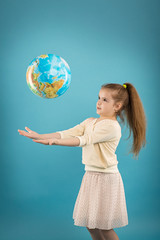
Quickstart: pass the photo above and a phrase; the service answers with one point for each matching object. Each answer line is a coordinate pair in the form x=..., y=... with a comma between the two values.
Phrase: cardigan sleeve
x=102, y=133
x=74, y=131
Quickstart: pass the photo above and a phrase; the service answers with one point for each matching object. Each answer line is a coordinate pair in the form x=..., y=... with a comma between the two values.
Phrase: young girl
x=101, y=205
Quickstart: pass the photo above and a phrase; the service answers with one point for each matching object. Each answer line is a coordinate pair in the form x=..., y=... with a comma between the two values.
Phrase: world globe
x=48, y=76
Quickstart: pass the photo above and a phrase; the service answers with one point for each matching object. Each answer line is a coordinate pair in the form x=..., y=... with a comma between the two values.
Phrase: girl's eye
x=104, y=99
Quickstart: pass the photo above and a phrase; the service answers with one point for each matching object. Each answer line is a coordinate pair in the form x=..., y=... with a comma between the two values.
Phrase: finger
x=23, y=132
x=27, y=129
x=36, y=140
x=20, y=131
x=40, y=141
x=26, y=134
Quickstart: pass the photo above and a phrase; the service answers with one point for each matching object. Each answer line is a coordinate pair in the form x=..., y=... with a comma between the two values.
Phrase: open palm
x=29, y=133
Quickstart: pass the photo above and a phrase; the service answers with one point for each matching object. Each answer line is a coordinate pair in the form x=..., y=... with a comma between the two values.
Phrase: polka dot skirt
x=101, y=201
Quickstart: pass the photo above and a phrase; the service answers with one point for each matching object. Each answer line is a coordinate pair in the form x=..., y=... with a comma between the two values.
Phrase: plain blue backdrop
x=103, y=41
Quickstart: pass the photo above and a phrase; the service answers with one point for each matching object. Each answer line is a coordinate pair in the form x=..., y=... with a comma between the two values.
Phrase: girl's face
x=105, y=104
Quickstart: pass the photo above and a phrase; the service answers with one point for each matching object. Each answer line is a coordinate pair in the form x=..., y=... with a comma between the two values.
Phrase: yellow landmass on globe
x=42, y=86
x=43, y=56
x=35, y=75
x=58, y=84
x=51, y=89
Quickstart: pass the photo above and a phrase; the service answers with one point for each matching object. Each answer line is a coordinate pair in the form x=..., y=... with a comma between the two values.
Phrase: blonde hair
x=132, y=110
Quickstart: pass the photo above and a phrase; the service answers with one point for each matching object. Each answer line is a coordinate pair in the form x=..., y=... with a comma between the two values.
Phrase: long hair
x=132, y=110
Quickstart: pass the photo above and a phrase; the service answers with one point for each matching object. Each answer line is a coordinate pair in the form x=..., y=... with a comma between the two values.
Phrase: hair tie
x=124, y=85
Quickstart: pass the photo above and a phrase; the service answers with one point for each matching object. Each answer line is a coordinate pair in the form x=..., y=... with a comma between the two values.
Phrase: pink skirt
x=101, y=201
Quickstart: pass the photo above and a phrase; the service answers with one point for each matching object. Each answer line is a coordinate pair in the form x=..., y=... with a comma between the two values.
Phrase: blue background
x=102, y=41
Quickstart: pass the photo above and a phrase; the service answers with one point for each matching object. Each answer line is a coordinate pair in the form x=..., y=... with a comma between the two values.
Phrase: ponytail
x=132, y=110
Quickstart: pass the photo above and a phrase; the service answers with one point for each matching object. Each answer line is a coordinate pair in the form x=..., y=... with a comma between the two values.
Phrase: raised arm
x=70, y=142
x=77, y=130
x=50, y=135
x=34, y=135
x=72, y=132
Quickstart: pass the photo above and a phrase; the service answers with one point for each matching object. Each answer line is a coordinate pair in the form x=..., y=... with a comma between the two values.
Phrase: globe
x=48, y=76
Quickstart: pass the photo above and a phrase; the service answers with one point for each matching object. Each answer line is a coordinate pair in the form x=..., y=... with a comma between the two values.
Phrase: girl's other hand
x=50, y=141
x=29, y=134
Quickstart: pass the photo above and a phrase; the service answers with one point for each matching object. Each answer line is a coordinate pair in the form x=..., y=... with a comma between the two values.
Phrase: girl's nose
x=99, y=102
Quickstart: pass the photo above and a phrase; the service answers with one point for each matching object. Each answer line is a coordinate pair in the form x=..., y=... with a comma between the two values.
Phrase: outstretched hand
x=49, y=141
x=29, y=134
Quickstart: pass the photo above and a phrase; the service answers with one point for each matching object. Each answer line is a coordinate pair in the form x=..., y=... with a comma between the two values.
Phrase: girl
x=101, y=205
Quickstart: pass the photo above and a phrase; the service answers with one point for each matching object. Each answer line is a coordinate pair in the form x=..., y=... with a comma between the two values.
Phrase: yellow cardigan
x=99, y=141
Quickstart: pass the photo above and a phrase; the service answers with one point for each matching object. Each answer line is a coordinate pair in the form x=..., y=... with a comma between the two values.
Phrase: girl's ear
x=118, y=105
